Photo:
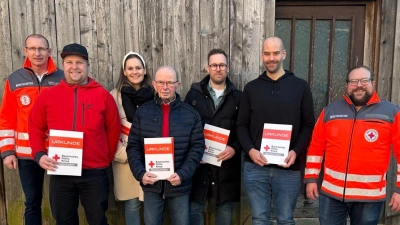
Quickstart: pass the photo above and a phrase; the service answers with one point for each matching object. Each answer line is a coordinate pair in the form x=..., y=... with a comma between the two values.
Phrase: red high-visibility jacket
x=20, y=92
x=356, y=146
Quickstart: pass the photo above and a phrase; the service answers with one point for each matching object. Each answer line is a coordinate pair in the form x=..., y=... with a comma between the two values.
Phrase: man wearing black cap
x=81, y=104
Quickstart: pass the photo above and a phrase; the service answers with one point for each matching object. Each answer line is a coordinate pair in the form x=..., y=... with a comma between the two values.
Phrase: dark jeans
x=91, y=189
x=154, y=206
x=31, y=175
x=334, y=212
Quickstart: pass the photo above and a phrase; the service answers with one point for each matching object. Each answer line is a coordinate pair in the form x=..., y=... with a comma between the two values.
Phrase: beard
x=275, y=69
x=360, y=101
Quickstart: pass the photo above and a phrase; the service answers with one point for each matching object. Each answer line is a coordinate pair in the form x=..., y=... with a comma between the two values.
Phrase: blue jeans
x=91, y=189
x=223, y=213
x=32, y=175
x=132, y=211
x=267, y=183
x=334, y=212
x=154, y=207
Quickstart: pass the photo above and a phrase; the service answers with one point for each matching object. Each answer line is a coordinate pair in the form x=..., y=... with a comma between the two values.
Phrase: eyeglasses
x=363, y=81
x=168, y=83
x=33, y=49
x=215, y=66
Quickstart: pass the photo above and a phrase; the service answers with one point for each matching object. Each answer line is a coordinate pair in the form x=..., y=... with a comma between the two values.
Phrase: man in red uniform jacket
x=21, y=90
x=354, y=137
x=78, y=103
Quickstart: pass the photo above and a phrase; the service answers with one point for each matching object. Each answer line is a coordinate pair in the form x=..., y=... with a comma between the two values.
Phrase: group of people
x=353, y=137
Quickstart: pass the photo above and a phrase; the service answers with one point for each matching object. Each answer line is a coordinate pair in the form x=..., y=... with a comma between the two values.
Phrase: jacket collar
x=173, y=104
x=51, y=66
x=373, y=100
x=202, y=85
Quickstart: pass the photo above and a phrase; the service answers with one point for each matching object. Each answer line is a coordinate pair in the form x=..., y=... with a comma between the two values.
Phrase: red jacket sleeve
x=316, y=151
x=113, y=126
x=37, y=126
x=396, y=147
x=8, y=122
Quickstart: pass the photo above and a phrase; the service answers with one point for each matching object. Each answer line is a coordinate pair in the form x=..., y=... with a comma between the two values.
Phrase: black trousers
x=92, y=189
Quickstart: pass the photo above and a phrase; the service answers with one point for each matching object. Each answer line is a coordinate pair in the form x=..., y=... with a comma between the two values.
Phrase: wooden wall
x=178, y=33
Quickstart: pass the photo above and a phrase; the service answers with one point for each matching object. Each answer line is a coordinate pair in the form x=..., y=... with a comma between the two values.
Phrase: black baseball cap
x=74, y=49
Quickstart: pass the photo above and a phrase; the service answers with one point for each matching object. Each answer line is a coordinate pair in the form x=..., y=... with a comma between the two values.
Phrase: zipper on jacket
x=348, y=154
x=163, y=188
x=40, y=82
x=83, y=113
x=75, y=107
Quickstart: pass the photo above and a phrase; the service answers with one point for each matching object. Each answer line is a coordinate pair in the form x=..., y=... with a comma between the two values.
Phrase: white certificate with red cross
x=66, y=148
x=275, y=142
x=159, y=156
x=215, y=139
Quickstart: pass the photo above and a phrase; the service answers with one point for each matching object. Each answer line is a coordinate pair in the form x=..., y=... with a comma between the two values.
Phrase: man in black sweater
x=217, y=101
x=277, y=97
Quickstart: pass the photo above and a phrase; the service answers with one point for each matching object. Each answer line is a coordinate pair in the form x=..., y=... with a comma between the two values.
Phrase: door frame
x=372, y=25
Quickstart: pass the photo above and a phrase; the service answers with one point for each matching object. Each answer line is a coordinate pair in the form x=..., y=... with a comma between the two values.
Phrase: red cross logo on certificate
x=120, y=140
x=267, y=148
x=56, y=157
x=151, y=164
x=206, y=148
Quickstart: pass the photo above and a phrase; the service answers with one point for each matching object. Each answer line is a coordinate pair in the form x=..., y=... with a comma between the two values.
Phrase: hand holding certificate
x=215, y=139
x=275, y=142
x=65, y=147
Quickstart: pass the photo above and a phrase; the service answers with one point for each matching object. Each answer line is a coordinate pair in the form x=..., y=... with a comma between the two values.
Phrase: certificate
x=215, y=139
x=275, y=142
x=123, y=138
x=66, y=148
x=159, y=156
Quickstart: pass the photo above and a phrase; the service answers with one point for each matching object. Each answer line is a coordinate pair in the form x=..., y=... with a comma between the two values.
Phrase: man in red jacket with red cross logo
x=21, y=90
x=354, y=136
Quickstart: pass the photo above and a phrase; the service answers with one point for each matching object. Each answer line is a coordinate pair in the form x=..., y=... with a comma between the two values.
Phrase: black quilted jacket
x=186, y=128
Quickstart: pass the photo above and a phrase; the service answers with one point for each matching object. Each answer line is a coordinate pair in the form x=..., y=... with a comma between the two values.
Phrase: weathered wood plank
x=370, y=35
x=252, y=35
x=67, y=25
x=131, y=25
x=168, y=32
x=110, y=40
x=396, y=61
x=235, y=74
x=157, y=47
x=193, y=66
x=180, y=56
x=3, y=205
x=88, y=34
x=18, y=24
x=236, y=42
x=388, y=20
x=6, y=64
x=114, y=40
x=18, y=33
x=145, y=40
x=214, y=29
x=32, y=11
